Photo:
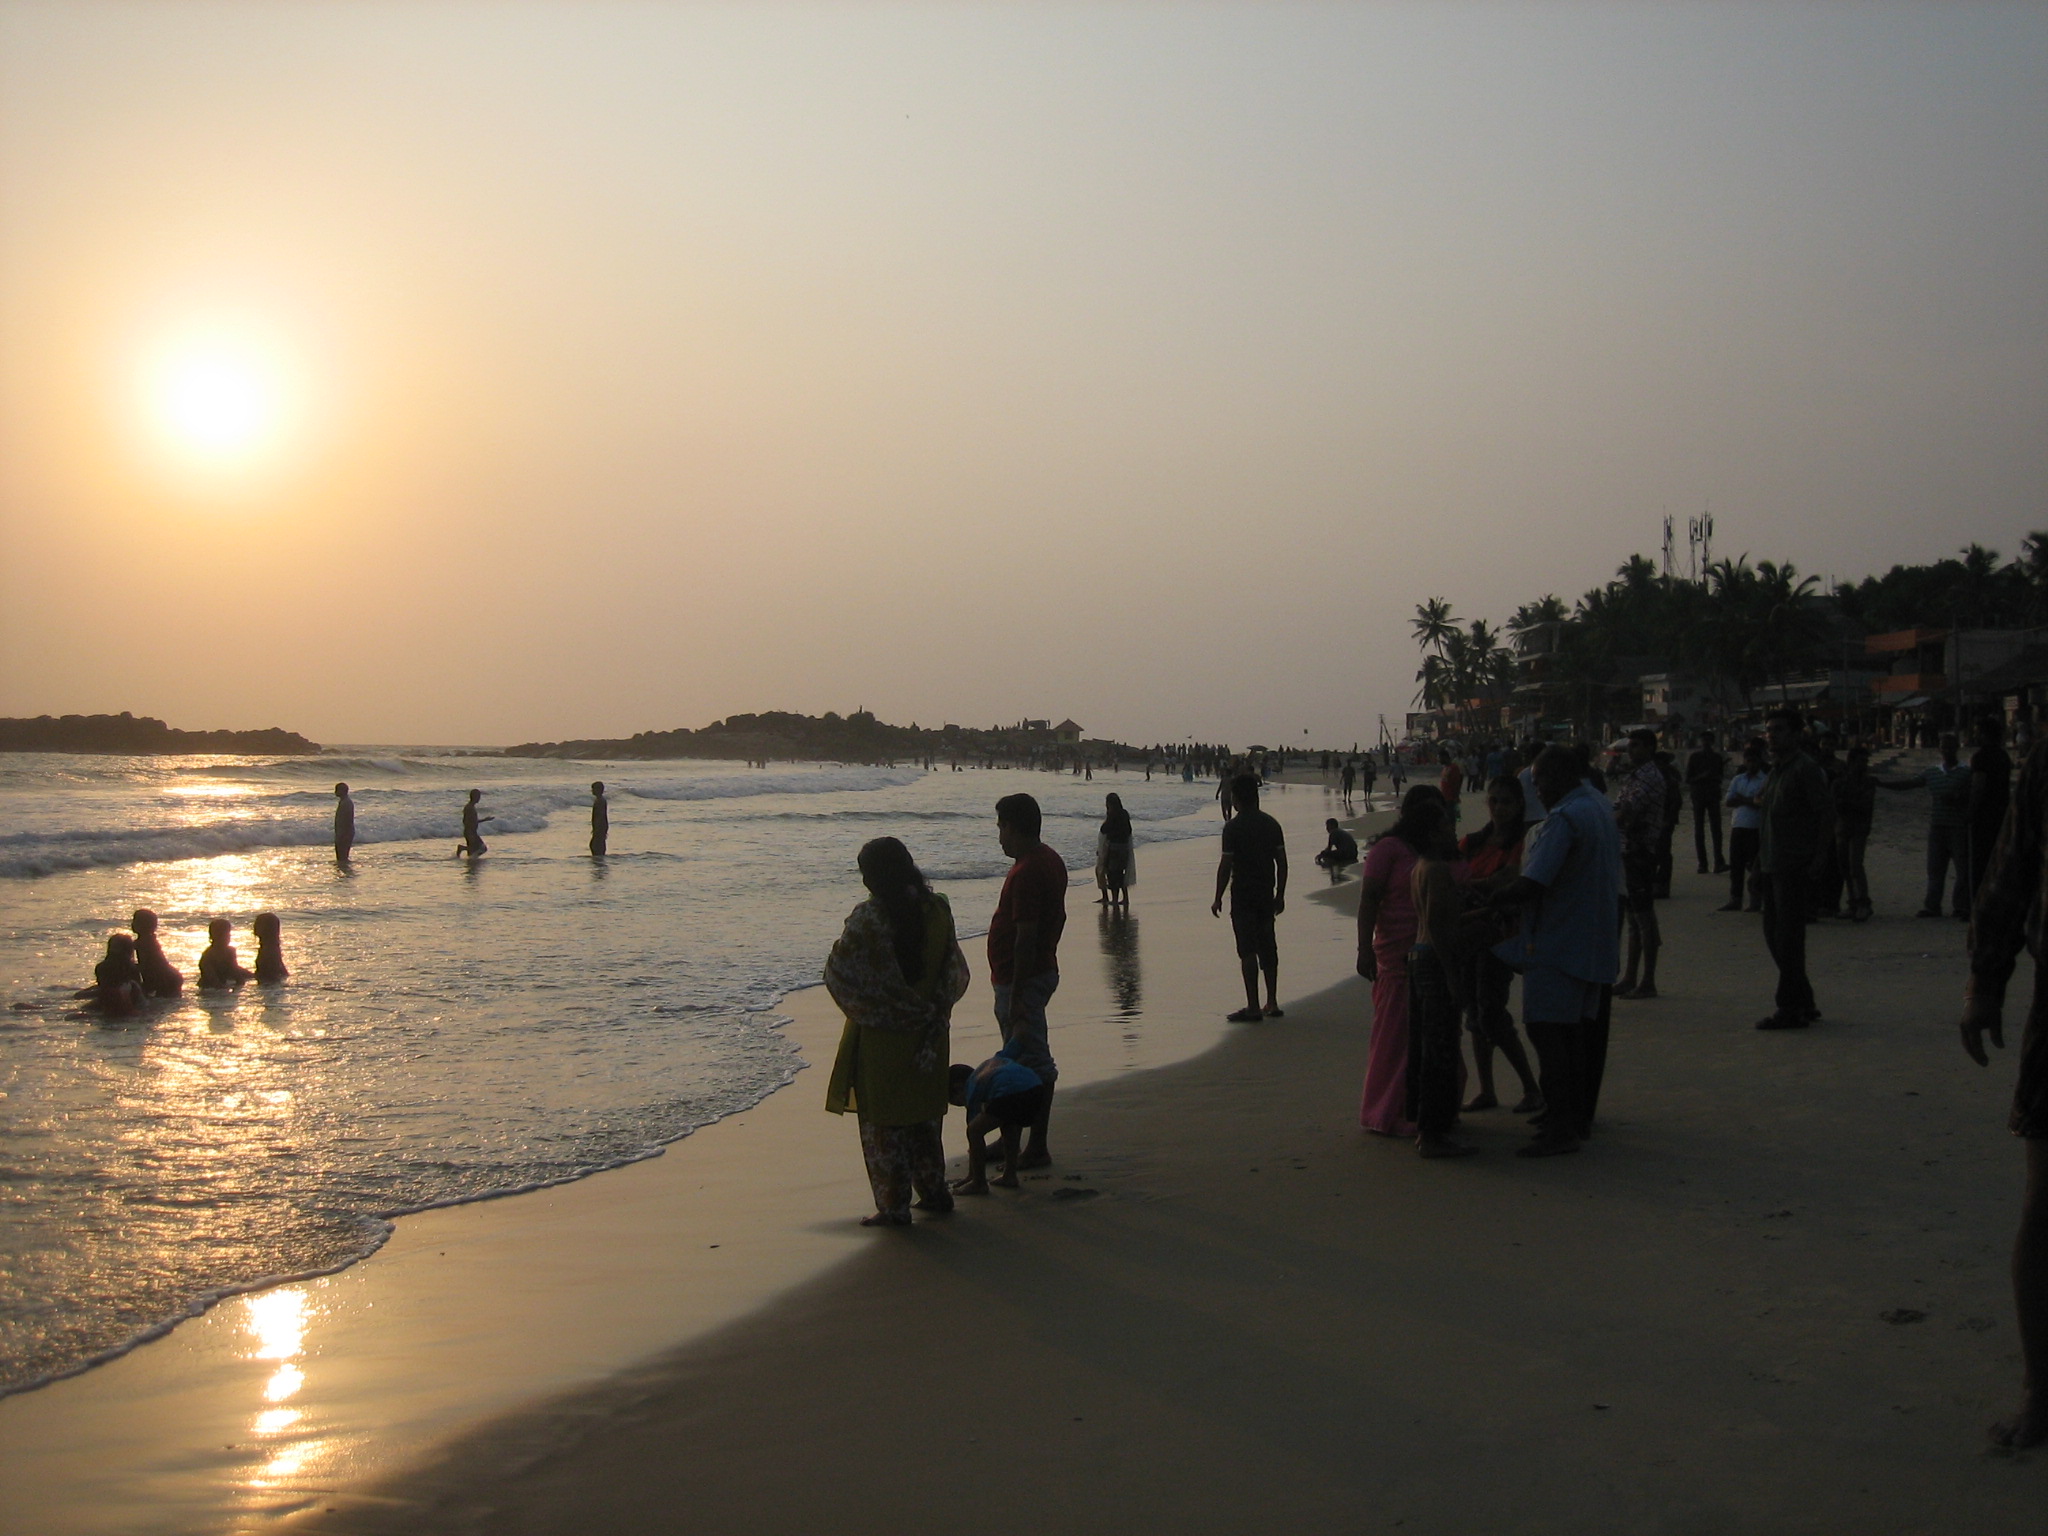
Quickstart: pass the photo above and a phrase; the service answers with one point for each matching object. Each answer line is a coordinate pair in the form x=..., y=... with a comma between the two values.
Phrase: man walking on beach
x=1254, y=871
x=1566, y=950
x=1948, y=826
x=1797, y=833
x=344, y=823
x=1023, y=951
x=2010, y=914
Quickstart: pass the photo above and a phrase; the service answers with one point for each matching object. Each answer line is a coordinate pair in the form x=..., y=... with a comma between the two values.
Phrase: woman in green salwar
x=896, y=973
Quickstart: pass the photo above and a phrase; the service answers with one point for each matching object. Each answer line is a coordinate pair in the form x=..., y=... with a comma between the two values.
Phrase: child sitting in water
x=218, y=966
x=117, y=979
x=1001, y=1095
x=270, y=964
x=160, y=978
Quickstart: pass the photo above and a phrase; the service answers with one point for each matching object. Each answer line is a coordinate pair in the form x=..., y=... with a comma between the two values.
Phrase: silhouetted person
x=1703, y=771
x=1797, y=833
x=1253, y=871
x=1341, y=851
x=1115, y=853
x=1990, y=793
x=473, y=842
x=1023, y=951
x=270, y=966
x=2009, y=918
x=116, y=981
x=600, y=819
x=344, y=823
x=159, y=977
x=218, y=964
x=1948, y=826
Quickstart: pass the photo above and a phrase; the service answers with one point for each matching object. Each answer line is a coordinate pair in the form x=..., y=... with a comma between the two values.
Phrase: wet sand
x=1771, y=1297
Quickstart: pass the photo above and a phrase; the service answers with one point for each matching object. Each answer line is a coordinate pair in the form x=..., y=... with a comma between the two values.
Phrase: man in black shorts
x=1254, y=872
x=2009, y=917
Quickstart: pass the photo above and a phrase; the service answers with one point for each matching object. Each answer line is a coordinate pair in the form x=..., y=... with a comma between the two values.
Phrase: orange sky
x=624, y=366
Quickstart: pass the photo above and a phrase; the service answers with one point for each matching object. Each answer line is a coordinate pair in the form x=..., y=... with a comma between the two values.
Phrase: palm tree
x=1434, y=623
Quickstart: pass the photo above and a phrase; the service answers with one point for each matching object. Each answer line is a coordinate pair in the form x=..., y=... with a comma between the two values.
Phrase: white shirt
x=1749, y=786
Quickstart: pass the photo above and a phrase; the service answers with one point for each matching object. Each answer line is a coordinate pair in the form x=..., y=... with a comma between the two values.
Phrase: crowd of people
x=1558, y=888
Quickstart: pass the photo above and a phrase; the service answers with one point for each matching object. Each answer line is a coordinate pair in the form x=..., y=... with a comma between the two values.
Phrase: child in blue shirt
x=1001, y=1095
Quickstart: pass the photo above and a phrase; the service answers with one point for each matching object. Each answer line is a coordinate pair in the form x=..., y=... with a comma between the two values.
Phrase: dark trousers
x=1571, y=1064
x=1435, y=1045
x=1946, y=844
x=1662, y=875
x=1742, y=851
x=1706, y=811
x=1787, y=902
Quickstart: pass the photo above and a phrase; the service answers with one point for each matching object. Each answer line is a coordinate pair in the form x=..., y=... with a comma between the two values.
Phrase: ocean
x=450, y=1032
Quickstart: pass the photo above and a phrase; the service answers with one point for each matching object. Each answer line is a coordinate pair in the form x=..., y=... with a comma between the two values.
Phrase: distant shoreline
x=140, y=735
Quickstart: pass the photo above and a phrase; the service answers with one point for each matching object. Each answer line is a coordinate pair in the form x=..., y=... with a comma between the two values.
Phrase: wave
x=385, y=818
x=821, y=781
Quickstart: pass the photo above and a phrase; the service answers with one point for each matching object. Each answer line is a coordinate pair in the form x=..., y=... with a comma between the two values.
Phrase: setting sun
x=218, y=399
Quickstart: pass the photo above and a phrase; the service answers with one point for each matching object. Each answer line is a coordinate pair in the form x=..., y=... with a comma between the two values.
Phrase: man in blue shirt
x=1567, y=950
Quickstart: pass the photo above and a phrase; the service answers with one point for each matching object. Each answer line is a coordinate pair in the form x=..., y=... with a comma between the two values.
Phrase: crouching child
x=1001, y=1095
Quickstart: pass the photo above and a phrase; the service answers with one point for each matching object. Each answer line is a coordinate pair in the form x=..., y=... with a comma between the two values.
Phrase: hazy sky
x=474, y=373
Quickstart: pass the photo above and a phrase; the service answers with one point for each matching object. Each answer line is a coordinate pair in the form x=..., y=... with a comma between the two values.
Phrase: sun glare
x=217, y=399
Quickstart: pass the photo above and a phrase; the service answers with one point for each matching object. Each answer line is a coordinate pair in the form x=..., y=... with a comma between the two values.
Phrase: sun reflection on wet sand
x=277, y=1322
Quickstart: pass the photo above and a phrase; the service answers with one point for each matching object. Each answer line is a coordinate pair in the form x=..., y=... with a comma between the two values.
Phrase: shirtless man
x=600, y=819
x=473, y=842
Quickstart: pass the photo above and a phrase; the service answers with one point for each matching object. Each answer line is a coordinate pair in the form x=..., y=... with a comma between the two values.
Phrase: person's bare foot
x=1532, y=1104
x=886, y=1219
x=1480, y=1101
x=1243, y=1016
x=1275, y=1011
x=1008, y=1181
x=1549, y=1146
x=1639, y=993
x=2025, y=1429
x=1038, y=1157
x=1441, y=1146
x=970, y=1186
x=933, y=1206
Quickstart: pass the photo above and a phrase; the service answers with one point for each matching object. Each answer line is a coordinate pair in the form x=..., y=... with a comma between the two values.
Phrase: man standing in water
x=600, y=819
x=1023, y=952
x=473, y=842
x=2010, y=915
x=344, y=823
x=1254, y=872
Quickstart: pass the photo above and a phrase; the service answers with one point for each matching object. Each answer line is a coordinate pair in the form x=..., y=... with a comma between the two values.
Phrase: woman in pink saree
x=1386, y=932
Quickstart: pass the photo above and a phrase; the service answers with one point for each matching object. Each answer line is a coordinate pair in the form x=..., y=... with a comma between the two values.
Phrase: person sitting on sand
x=1491, y=858
x=2010, y=917
x=1341, y=851
x=1437, y=999
x=116, y=988
x=1254, y=872
x=160, y=978
x=1001, y=1095
x=473, y=842
x=218, y=965
x=270, y=966
x=896, y=973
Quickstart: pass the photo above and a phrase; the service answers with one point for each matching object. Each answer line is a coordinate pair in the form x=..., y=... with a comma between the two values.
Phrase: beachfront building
x=1067, y=734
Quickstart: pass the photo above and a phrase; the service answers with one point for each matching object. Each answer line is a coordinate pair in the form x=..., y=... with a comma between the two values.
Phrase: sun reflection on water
x=277, y=1322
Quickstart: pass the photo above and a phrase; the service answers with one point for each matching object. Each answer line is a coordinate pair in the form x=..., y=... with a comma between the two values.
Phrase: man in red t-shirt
x=1023, y=950
x=1452, y=782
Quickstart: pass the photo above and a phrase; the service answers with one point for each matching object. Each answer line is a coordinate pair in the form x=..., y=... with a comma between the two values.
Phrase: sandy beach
x=1771, y=1297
